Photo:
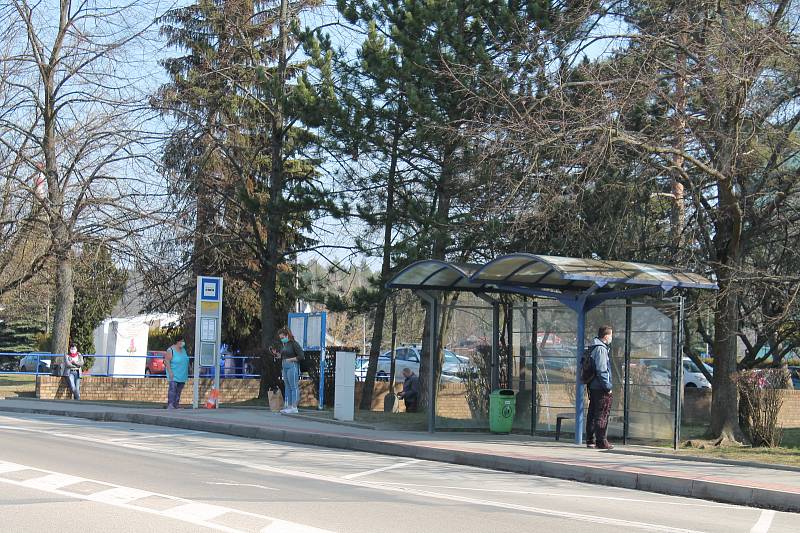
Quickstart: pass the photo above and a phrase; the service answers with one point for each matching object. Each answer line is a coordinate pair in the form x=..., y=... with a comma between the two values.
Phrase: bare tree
x=695, y=101
x=75, y=127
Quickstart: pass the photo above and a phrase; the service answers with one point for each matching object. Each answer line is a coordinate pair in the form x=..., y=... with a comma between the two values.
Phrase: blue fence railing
x=122, y=366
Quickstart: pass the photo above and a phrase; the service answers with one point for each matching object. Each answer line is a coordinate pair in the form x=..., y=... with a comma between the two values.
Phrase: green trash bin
x=502, y=406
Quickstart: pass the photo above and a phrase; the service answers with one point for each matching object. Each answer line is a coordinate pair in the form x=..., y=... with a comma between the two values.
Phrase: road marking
x=202, y=511
x=52, y=481
x=184, y=510
x=282, y=526
x=560, y=495
x=119, y=495
x=239, y=485
x=764, y=522
x=155, y=436
x=382, y=469
x=10, y=467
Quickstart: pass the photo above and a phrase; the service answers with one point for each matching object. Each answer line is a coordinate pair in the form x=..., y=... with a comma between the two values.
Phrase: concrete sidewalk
x=744, y=485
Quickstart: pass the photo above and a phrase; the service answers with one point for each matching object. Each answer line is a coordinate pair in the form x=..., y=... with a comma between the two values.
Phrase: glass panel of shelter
x=462, y=400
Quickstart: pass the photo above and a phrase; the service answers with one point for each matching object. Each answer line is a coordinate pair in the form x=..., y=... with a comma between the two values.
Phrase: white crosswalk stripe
x=52, y=481
x=10, y=467
x=200, y=511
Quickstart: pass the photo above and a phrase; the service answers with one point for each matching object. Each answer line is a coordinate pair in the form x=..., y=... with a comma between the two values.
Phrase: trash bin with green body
x=502, y=406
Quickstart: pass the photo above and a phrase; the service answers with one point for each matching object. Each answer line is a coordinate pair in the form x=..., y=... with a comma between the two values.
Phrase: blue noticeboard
x=310, y=330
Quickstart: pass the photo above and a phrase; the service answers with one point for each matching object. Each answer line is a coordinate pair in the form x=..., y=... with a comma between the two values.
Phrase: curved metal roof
x=435, y=274
x=545, y=272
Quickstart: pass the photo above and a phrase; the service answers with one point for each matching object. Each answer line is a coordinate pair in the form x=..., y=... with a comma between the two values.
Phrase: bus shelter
x=579, y=285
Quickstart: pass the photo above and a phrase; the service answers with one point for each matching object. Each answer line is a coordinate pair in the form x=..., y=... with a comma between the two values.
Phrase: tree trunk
x=269, y=268
x=386, y=269
x=65, y=301
x=724, y=403
x=441, y=242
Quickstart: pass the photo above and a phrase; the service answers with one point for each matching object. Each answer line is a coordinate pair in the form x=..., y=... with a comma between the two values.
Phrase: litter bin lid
x=504, y=392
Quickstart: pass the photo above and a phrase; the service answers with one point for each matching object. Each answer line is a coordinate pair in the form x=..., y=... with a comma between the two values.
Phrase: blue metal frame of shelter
x=579, y=284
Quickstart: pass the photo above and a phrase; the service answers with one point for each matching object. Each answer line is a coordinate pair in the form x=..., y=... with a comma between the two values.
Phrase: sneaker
x=293, y=411
x=285, y=411
x=605, y=446
x=590, y=445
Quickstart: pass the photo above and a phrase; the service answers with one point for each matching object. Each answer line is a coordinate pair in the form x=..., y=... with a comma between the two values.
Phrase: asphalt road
x=62, y=474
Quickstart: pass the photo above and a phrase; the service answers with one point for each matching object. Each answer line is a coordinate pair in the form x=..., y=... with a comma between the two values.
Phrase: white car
x=36, y=363
x=692, y=376
x=453, y=368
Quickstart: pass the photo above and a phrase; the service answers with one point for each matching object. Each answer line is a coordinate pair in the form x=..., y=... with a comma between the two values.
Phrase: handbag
x=275, y=399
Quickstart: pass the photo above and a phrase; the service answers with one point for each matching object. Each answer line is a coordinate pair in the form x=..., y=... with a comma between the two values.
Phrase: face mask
x=284, y=340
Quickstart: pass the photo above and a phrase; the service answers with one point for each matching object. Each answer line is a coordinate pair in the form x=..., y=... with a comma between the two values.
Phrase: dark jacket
x=601, y=356
x=292, y=349
x=411, y=387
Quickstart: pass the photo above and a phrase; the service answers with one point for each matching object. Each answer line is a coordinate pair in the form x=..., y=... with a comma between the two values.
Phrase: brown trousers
x=597, y=417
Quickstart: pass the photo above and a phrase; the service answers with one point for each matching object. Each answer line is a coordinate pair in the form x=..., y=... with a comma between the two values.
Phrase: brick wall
x=142, y=389
x=697, y=407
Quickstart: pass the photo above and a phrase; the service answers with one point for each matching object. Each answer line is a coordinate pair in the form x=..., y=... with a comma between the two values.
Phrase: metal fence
x=122, y=366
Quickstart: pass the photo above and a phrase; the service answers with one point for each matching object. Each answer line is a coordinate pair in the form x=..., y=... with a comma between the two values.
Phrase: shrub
x=760, y=401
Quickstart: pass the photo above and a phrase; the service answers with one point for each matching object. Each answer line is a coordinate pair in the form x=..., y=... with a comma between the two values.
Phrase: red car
x=155, y=363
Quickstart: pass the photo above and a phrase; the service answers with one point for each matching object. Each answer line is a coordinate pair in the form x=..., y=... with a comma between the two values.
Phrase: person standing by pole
x=600, y=396
x=176, y=362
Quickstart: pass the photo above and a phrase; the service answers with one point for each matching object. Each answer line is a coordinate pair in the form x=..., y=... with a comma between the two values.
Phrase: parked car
x=453, y=370
x=155, y=363
x=692, y=376
x=559, y=359
x=36, y=363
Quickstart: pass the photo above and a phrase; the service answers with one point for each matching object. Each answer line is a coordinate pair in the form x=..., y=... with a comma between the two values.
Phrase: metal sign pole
x=196, y=377
x=217, y=344
x=208, y=331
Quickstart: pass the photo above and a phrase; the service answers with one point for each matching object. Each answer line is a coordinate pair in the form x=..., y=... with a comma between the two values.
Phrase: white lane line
x=426, y=494
x=201, y=511
x=558, y=494
x=382, y=469
x=226, y=484
x=184, y=510
x=764, y=522
x=52, y=481
x=154, y=436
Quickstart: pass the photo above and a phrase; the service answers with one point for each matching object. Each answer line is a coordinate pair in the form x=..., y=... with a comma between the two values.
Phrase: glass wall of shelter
x=521, y=321
x=537, y=359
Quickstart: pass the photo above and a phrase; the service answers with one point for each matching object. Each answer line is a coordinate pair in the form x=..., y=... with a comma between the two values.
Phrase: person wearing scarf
x=73, y=363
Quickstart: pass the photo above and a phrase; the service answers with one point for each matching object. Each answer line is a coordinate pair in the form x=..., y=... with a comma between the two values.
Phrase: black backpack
x=588, y=370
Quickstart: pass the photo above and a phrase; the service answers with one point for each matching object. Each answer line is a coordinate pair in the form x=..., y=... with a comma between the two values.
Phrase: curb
x=714, y=460
x=651, y=482
x=323, y=420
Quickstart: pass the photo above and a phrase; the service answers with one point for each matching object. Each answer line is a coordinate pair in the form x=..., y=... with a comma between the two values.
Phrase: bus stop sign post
x=207, y=330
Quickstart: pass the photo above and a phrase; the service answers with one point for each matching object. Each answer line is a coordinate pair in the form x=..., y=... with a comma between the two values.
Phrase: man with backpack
x=599, y=387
